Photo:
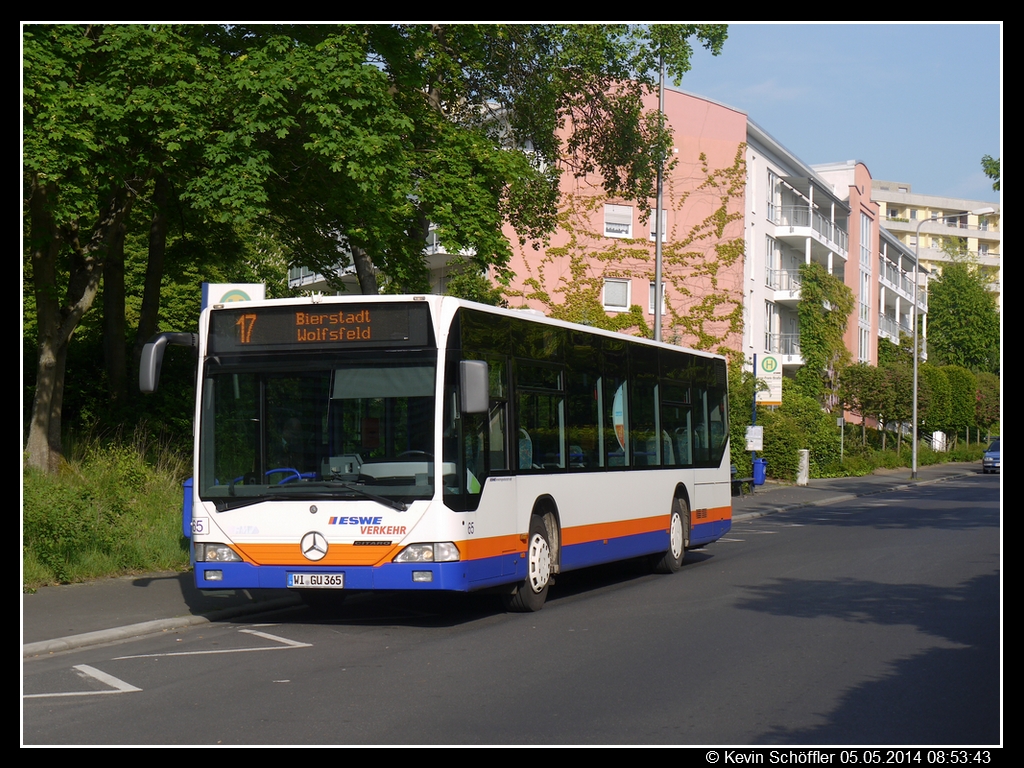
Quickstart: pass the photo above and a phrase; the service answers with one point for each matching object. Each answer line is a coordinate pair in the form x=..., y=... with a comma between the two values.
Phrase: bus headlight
x=440, y=552
x=216, y=553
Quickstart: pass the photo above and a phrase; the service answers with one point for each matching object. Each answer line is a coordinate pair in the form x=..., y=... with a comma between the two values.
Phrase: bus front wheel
x=671, y=560
x=531, y=593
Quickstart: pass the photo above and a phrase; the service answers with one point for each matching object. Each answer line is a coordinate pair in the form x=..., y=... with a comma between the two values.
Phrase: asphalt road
x=859, y=615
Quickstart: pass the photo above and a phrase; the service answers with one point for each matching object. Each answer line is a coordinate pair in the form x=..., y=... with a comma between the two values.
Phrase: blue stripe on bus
x=461, y=576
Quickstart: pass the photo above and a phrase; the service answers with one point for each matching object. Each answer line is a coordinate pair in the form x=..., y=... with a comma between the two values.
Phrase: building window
x=865, y=240
x=774, y=197
x=771, y=328
x=650, y=299
x=618, y=221
x=616, y=295
x=664, y=226
x=913, y=214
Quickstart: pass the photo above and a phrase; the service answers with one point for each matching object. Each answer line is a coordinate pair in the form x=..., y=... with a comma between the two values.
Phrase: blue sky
x=923, y=108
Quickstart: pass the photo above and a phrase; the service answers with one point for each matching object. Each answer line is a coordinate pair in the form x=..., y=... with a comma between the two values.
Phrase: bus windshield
x=299, y=426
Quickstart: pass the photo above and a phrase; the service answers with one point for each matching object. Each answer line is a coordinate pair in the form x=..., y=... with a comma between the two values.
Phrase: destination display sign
x=320, y=326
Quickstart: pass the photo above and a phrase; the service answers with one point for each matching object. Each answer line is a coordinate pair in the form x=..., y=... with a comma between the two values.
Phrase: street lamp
x=917, y=262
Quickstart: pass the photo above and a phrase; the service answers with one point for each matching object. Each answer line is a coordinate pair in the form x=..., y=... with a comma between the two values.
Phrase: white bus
x=424, y=442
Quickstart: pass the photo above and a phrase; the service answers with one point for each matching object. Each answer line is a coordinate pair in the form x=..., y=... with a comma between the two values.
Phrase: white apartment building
x=903, y=210
x=792, y=217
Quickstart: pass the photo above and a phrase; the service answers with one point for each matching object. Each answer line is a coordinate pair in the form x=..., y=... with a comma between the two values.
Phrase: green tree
x=335, y=140
x=963, y=322
x=899, y=387
x=825, y=306
x=933, y=407
x=863, y=390
x=986, y=412
x=991, y=168
x=963, y=395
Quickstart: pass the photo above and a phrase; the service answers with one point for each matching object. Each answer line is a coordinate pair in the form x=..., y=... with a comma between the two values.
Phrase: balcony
x=802, y=223
x=895, y=279
x=787, y=345
x=786, y=283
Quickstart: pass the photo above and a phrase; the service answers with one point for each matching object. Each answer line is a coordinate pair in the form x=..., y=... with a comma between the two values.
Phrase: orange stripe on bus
x=710, y=515
x=469, y=549
x=337, y=554
x=581, y=534
x=492, y=546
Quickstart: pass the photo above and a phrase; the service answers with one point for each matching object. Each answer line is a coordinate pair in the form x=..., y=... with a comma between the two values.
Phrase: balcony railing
x=801, y=216
x=783, y=279
x=894, y=327
x=782, y=343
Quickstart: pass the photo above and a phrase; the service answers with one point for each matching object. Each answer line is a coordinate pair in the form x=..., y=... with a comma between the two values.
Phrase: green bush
x=799, y=424
x=107, y=512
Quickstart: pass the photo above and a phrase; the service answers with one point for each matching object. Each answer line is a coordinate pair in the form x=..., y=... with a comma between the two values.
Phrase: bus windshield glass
x=303, y=426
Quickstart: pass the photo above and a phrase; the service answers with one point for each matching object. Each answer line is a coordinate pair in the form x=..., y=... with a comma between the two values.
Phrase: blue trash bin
x=760, y=469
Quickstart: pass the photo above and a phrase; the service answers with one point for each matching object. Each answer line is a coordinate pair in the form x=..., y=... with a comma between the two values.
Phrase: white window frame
x=650, y=299
x=664, y=225
x=618, y=282
x=618, y=221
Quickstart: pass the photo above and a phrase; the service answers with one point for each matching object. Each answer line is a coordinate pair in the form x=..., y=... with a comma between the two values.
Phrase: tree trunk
x=364, y=271
x=44, y=244
x=57, y=323
x=149, y=318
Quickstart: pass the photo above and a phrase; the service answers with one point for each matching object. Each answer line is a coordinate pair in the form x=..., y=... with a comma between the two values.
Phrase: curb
x=847, y=497
x=102, y=636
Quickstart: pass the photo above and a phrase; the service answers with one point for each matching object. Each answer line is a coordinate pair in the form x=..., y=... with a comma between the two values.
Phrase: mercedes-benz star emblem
x=314, y=546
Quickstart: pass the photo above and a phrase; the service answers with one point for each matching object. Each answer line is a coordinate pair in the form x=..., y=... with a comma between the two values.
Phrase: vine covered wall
x=702, y=248
x=702, y=261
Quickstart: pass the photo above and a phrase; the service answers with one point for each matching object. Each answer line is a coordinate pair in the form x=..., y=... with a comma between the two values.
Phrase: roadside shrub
x=106, y=512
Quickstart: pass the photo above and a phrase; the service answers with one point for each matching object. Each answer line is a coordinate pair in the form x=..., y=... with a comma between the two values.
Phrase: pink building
x=599, y=267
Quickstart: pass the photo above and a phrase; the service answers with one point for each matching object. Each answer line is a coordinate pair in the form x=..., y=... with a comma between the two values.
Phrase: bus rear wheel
x=531, y=593
x=671, y=560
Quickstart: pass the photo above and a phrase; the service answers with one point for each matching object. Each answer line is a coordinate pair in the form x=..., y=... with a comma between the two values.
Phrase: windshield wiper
x=392, y=503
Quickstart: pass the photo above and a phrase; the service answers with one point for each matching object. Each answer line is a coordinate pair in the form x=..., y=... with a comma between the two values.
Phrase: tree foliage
x=963, y=322
x=986, y=411
x=933, y=405
x=337, y=142
x=963, y=395
x=864, y=391
x=991, y=168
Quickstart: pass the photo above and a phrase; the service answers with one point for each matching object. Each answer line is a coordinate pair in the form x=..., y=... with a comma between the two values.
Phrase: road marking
x=286, y=644
x=275, y=638
x=119, y=686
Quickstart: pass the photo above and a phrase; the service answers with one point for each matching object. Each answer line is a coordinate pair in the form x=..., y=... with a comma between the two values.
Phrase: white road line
x=286, y=644
x=119, y=686
x=286, y=641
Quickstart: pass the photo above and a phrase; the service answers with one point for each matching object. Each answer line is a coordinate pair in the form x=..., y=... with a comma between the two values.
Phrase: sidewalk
x=79, y=615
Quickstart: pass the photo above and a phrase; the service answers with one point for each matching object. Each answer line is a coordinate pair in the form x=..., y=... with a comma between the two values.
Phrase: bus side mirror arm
x=475, y=381
x=153, y=357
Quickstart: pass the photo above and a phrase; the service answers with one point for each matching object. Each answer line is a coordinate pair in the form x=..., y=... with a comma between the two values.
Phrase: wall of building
x=599, y=266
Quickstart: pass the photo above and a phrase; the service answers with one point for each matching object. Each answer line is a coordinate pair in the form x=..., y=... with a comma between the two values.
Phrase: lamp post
x=917, y=262
x=657, y=211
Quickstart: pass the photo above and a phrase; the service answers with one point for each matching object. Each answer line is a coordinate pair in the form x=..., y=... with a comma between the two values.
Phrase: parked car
x=990, y=461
